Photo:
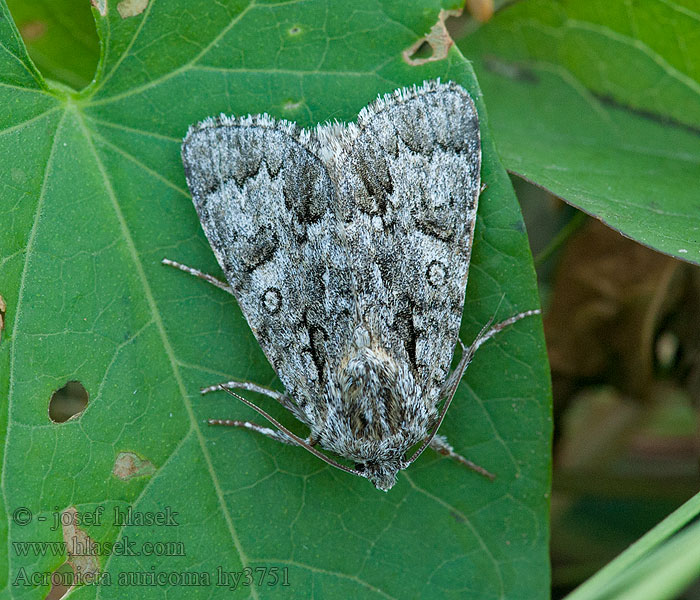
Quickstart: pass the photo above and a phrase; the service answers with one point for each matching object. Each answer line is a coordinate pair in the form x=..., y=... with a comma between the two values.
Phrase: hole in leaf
x=294, y=30
x=61, y=582
x=101, y=6
x=131, y=8
x=81, y=567
x=424, y=51
x=68, y=402
x=61, y=38
x=434, y=45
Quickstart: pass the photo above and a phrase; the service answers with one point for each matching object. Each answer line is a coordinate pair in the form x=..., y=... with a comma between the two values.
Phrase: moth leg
x=440, y=444
x=266, y=431
x=273, y=434
x=283, y=399
x=210, y=278
x=245, y=385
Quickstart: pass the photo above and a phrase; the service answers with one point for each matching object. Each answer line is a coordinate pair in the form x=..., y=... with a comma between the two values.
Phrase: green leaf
x=94, y=196
x=600, y=104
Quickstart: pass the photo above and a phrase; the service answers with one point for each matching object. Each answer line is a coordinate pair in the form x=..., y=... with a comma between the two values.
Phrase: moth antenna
x=293, y=436
x=448, y=401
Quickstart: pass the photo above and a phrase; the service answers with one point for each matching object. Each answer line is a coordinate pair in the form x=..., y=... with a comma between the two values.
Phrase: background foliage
x=596, y=103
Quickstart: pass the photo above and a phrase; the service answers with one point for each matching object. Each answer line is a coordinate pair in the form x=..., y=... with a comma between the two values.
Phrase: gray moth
x=347, y=248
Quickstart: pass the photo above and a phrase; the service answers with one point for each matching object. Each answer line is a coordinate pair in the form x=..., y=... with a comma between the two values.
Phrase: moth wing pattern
x=408, y=182
x=348, y=250
x=265, y=202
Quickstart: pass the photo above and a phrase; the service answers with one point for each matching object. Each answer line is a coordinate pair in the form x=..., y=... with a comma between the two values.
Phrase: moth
x=347, y=248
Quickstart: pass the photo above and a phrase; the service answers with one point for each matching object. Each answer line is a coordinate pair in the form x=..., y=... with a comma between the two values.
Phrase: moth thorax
x=373, y=391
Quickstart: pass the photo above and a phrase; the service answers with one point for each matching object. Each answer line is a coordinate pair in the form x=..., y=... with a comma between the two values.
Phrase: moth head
x=381, y=473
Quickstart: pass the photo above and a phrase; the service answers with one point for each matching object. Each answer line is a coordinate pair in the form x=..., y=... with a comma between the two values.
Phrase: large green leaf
x=93, y=196
x=599, y=103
